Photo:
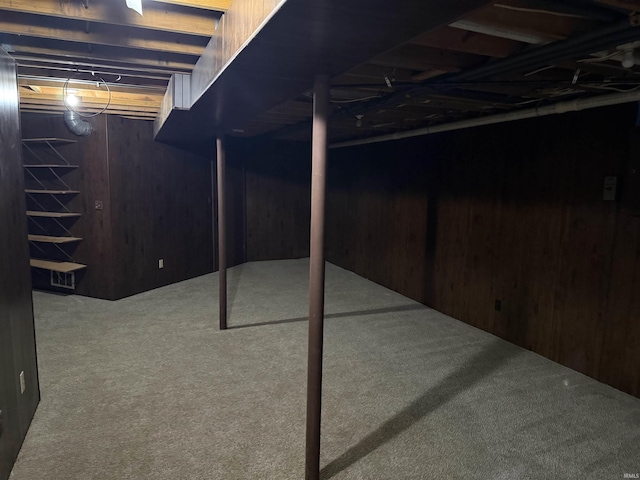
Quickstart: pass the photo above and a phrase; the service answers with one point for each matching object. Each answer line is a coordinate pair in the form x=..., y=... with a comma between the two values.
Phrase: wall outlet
x=23, y=386
x=161, y=263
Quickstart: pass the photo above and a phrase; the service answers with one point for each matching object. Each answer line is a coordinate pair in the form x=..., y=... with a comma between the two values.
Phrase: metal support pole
x=222, y=232
x=316, y=276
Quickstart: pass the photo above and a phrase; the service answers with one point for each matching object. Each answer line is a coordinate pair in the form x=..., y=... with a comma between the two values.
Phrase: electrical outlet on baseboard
x=161, y=263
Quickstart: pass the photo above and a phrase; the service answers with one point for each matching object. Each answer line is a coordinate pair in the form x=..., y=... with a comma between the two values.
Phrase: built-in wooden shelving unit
x=48, y=192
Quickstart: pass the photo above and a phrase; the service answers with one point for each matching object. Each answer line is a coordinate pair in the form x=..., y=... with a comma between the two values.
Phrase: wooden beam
x=100, y=34
x=449, y=38
x=29, y=68
x=58, y=107
x=38, y=82
x=217, y=5
x=74, y=57
x=417, y=57
x=61, y=109
x=633, y=5
x=156, y=16
x=534, y=28
x=86, y=97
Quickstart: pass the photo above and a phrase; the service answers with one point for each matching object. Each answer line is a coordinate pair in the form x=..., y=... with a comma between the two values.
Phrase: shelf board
x=59, y=141
x=64, y=267
x=50, y=239
x=50, y=166
x=53, y=192
x=35, y=213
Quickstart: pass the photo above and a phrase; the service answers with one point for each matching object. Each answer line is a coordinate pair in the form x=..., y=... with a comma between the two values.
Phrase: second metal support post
x=316, y=276
x=222, y=232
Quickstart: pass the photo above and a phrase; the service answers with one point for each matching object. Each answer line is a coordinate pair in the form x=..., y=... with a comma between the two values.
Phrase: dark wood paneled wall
x=505, y=228
x=160, y=209
x=236, y=211
x=17, y=341
x=278, y=199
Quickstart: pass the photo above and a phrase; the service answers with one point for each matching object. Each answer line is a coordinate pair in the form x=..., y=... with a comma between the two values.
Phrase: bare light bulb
x=72, y=100
x=628, y=59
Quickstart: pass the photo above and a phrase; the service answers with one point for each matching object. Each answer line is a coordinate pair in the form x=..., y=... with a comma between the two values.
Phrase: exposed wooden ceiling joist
x=94, y=98
x=99, y=34
x=61, y=71
x=420, y=58
x=217, y=5
x=157, y=16
x=25, y=108
x=39, y=82
x=633, y=5
x=457, y=40
x=545, y=26
x=101, y=57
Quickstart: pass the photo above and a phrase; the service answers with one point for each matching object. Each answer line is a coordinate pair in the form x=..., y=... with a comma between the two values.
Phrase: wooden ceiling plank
x=61, y=109
x=156, y=16
x=449, y=38
x=40, y=82
x=581, y=10
x=373, y=74
x=68, y=56
x=143, y=79
x=217, y=5
x=57, y=101
x=93, y=107
x=424, y=59
x=99, y=34
x=527, y=27
x=632, y=5
x=121, y=99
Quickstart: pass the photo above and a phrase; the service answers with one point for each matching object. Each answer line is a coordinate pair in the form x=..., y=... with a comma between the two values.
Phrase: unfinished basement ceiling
x=508, y=55
x=90, y=40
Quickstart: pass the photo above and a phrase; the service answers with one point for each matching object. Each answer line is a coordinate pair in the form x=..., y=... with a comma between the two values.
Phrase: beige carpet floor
x=148, y=388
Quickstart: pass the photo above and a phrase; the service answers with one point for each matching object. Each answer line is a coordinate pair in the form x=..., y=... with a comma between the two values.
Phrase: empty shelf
x=64, y=267
x=52, y=192
x=59, y=141
x=51, y=165
x=34, y=213
x=50, y=239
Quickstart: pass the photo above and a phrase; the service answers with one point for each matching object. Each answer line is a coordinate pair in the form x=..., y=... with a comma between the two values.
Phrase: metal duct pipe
x=76, y=124
x=556, y=108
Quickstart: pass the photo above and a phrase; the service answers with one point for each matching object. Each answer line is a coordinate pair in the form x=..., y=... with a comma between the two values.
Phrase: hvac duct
x=76, y=124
